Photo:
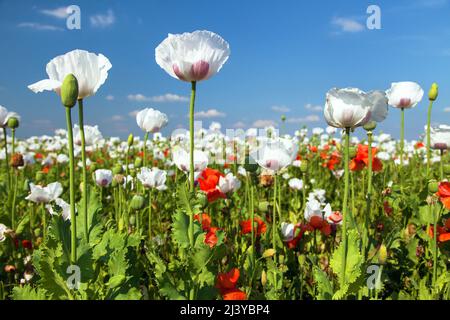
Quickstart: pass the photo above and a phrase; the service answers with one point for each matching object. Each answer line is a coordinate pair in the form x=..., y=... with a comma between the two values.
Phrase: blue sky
x=285, y=56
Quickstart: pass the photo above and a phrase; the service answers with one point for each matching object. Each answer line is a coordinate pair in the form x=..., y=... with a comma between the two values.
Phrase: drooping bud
x=382, y=254
x=138, y=162
x=69, y=91
x=118, y=169
x=137, y=202
x=283, y=118
x=39, y=176
x=13, y=123
x=370, y=126
x=304, y=166
x=263, y=278
x=433, y=186
x=434, y=92
x=130, y=140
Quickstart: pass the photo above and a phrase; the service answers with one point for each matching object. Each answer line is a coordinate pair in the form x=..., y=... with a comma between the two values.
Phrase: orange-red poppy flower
x=361, y=160
x=205, y=221
x=317, y=223
x=444, y=194
x=234, y=294
x=246, y=226
x=211, y=237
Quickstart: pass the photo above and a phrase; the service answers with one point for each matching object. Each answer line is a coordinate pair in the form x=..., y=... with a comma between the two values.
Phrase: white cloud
x=109, y=97
x=168, y=97
x=239, y=125
x=39, y=26
x=280, y=109
x=309, y=118
x=211, y=113
x=347, y=24
x=264, y=123
x=59, y=13
x=133, y=113
x=103, y=20
x=117, y=117
x=447, y=109
x=313, y=108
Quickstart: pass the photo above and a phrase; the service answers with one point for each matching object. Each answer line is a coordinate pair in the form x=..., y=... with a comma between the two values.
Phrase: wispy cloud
x=313, y=108
x=39, y=26
x=117, y=117
x=280, y=109
x=307, y=119
x=59, y=13
x=133, y=113
x=347, y=24
x=109, y=97
x=447, y=109
x=239, y=125
x=211, y=113
x=103, y=20
x=168, y=97
x=264, y=123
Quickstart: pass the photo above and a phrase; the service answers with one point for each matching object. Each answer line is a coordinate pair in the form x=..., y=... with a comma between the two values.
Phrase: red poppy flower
x=206, y=221
x=361, y=160
x=294, y=242
x=443, y=233
x=312, y=148
x=444, y=194
x=45, y=169
x=246, y=226
x=227, y=281
x=419, y=145
x=27, y=244
x=209, y=179
x=211, y=237
x=214, y=195
x=38, y=156
x=317, y=223
x=234, y=294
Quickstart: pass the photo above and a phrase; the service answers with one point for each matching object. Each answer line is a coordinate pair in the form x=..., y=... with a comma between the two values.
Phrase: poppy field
x=344, y=212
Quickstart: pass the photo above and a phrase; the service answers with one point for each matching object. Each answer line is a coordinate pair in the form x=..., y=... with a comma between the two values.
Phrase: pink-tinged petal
x=405, y=103
x=178, y=72
x=199, y=70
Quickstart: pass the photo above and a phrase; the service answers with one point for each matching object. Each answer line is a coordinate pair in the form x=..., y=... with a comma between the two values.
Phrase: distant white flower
x=192, y=56
x=103, y=177
x=92, y=135
x=404, y=95
x=331, y=130
x=3, y=230
x=317, y=131
x=62, y=158
x=64, y=206
x=440, y=137
x=287, y=231
x=150, y=120
x=91, y=71
x=153, y=178
x=181, y=158
x=229, y=183
x=276, y=154
x=385, y=156
x=46, y=194
x=5, y=115
x=296, y=184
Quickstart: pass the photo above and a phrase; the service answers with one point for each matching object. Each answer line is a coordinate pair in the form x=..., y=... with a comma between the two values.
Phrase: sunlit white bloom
x=229, y=183
x=192, y=56
x=404, y=95
x=3, y=230
x=318, y=194
x=181, y=159
x=215, y=126
x=242, y=171
x=379, y=105
x=153, y=178
x=276, y=154
x=296, y=184
x=317, y=131
x=347, y=108
x=91, y=71
x=385, y=156
x=5, y=115
x=287, y=231
x=62, y=158
x=440, y=137
x=150, y=120
x=103, y=177
x=92, y=135
x=64, y=209
x=331, y=130
x=39, y=194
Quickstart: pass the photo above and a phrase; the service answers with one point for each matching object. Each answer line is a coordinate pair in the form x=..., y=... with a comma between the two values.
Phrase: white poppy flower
x=296, y=184
x=404, y=95
x=440, y=137
x=91, y=71
x=103, y=177
x=229, y=183
x=62, y=158
x=92, y=135
x=46, y=194
x=347, y=108
x=5, y=115
x=3, y=229
x=313, y=208
x=153, y=178
x=276, y=154
x=287, y=231
x=379, y=105
x=192, y=56
x=330, y=130
x=181, y=158
x=151, y=120
x=65, y=209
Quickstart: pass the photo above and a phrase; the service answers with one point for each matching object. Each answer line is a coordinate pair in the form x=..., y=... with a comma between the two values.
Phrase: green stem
x=274, y=229
x=344, y=204
x=73, y=220
x=441, y=165
x=430, y=107
x=83, y=159
x=13, y=208
x=191, y=161
x=144, y=161
x=402, y=145
x=13, y=139
x=369, y=193
x=150, y=214
x=5, y=137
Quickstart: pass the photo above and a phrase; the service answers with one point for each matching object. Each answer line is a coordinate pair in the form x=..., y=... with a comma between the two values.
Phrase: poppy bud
x=121, y=224
x=39, y=176
x=113, y=183
x=17, y=160
x=37, y=232
x=301, y=259
x=433, y=186
x=137, y=202
x=352, y=152
x=69, y=91
x=304, y=166
x=283, y=118
x=118, y=169
x=263, y=278
x=93, y=167
x=446, y=168
x=370, y=126
x=268, y=253
x=382, y=254
x=138, y=163
x=130, y=140
x=133, y=173
x=263, y=206
x=13, y=123
x=118, y=178
x=132, y=219
x=434, y=91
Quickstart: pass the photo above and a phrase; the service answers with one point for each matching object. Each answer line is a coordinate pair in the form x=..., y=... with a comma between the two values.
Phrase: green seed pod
x=114, y=183
x=37, y=232
x=446, y=168
x=283, y=118
x=130, y=140
x=352, y=152
x=39, y=176
x=69, y=91
x=382, y=254
x=138, y=162
x=132, y=219
x=434, y=92
x=433, y=186
x=133, y=173
x=118, y=169
x=304, y=166
x=137, y=202
x=263, y=206
x=13, y=123
x=370, y=126
x=263, y=278
x=93, y=167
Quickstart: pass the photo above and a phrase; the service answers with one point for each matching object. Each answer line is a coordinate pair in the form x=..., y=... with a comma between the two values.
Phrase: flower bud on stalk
x=39, y=176
x=382, y=254
x=69, y=91
x=138, y=162
x=118, y=169
x=352, y=152
x=130, y=140
x=13, y=123
x=434, y=92
x=137, y=202
x=118, y=178
x=433, y=186
x=446, y=168
x=370, y=126
x=304, y=166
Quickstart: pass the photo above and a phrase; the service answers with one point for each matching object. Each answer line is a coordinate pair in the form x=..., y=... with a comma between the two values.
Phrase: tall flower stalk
x=345, y=201
x=432, y=96
x=83, y=159
x=5, y=138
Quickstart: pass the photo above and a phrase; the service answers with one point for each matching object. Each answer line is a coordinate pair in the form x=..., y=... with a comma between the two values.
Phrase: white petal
x=46, y=84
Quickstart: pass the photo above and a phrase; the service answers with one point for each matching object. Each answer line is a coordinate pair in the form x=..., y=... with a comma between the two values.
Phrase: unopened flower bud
x=130, y=140
x=263, y=278
x=382, y=254
x=137, y=202
x=433, y=186
x=13, y=123
x=446, y=168
x=370, y=126
x=132, y=220
x=434, y=92
x=118, y=169
x=93, y=167
x=138, y=162
x=119, y=178
x=352, y=152
x=283, y=118
x=304, y=166
x=39, y=176
x=69, y=91
x=263, y=206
